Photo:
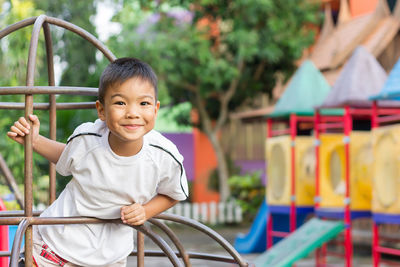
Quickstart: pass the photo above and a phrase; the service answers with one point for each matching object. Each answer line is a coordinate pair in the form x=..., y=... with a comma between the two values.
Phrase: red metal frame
x=292, y=130
x=379, y=117
x=345, y=122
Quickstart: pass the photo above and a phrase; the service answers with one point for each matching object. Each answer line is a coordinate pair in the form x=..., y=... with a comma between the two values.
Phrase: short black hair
x=123, y=69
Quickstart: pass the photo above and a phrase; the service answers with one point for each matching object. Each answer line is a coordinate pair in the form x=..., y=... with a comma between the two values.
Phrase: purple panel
x=252, y=166
x=185, y=144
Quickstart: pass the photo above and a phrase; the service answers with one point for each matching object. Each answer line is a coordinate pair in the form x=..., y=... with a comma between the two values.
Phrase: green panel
x=332, y=112
x=300, y=243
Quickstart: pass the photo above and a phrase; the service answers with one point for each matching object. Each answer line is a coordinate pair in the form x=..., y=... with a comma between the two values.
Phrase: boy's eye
x=144, y=103
x=119, y=103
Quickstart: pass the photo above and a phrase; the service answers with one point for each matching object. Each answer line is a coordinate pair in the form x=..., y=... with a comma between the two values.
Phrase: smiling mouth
x=132, y=126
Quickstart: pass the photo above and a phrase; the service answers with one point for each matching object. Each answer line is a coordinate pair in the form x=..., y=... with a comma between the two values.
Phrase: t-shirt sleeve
x=74, y=149
x=173, y=182
x=64, y=163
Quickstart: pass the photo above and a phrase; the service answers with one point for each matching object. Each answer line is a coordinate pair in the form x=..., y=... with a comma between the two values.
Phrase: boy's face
x=129, y=111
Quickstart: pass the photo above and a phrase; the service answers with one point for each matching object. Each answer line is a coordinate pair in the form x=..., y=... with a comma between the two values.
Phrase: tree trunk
x=223, y=172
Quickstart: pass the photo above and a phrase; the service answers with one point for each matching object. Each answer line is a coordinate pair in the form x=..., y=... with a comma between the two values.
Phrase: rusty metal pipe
x=52, y=109
x=84, y=34
x=161, y=244
x=26, y=222
x=30, y=81
x=174, y=238
x=15, y=213
x=22, y=227
x=208, y=231
x=63, y=24
x=11, y=220
x=46, y=106
x=140, y=249
x=16, y=26
x=47, y=90
x=192, y=255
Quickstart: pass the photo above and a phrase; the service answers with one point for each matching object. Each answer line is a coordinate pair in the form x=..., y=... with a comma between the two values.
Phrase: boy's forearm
x=158, y=204
x=48, y=148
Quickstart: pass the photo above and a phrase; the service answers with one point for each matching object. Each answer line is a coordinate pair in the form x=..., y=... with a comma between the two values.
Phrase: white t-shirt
x=102, y=183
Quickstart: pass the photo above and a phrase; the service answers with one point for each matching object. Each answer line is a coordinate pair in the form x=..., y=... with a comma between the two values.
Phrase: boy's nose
x=132, y=112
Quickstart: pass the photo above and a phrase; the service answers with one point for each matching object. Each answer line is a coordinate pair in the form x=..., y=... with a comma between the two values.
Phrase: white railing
x=209, y=212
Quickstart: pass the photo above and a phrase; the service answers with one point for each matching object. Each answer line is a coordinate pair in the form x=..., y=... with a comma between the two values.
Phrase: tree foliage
x=216, y=54
x=72, y=52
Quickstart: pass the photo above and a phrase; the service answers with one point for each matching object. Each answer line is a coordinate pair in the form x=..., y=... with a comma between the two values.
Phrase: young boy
x=121, y=168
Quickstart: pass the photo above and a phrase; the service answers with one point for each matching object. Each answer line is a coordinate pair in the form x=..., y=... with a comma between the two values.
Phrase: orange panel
x=360, y=7
x=205, y=162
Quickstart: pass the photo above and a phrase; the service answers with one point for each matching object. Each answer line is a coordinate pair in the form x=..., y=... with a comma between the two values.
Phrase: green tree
x=76, y=55
x=216, y=54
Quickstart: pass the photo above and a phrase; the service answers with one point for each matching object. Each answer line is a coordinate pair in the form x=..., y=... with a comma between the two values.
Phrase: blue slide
x=256, y=239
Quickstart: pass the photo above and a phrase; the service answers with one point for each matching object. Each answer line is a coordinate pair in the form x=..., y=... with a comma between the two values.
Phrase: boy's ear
x=157, y=106
x=100, y=111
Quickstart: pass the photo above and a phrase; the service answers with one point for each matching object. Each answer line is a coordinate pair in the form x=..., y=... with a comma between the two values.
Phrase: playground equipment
x=361, y=77
x=385, y=201
x=386, y=145
x=3, y=238
x=299, y=244
x=291, y=161
x=332, y=171
x=280, y=169
x=254, y=241
x=27, y=218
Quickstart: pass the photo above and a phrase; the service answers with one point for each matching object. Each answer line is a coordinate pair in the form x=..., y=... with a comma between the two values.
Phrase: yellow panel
x=305, y=171
x=386, y=170
x=332, y=170
x=361, y=170
x=279, y=170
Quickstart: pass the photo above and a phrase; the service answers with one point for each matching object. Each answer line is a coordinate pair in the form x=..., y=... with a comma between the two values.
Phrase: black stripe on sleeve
x=80, y=134
x=180, y=165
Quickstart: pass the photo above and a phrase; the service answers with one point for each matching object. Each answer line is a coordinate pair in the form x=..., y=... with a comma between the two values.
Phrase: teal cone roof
x=306, y=90
x=391, y=88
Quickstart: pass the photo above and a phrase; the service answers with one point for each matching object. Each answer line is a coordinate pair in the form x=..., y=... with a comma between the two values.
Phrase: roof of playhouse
x=391, y=88
x=361, y=77
x=307, y=89
x=336, y=43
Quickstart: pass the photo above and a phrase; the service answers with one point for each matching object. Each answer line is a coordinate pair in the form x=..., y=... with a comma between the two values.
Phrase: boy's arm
x=137, y=214
x=46, y=147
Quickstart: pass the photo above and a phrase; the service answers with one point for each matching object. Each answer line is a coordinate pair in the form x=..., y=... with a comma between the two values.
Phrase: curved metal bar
x=174, y=238
x=52, y=109
x=162, y=244
x=28, y=173
x=17, y=242
x=192, y=255
x=84, y=34
x=63, y=24
x=30, y=76
x=47, y=90
x=46, y=106
x=208, y=231
x=83, y=220
x=16, y=26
